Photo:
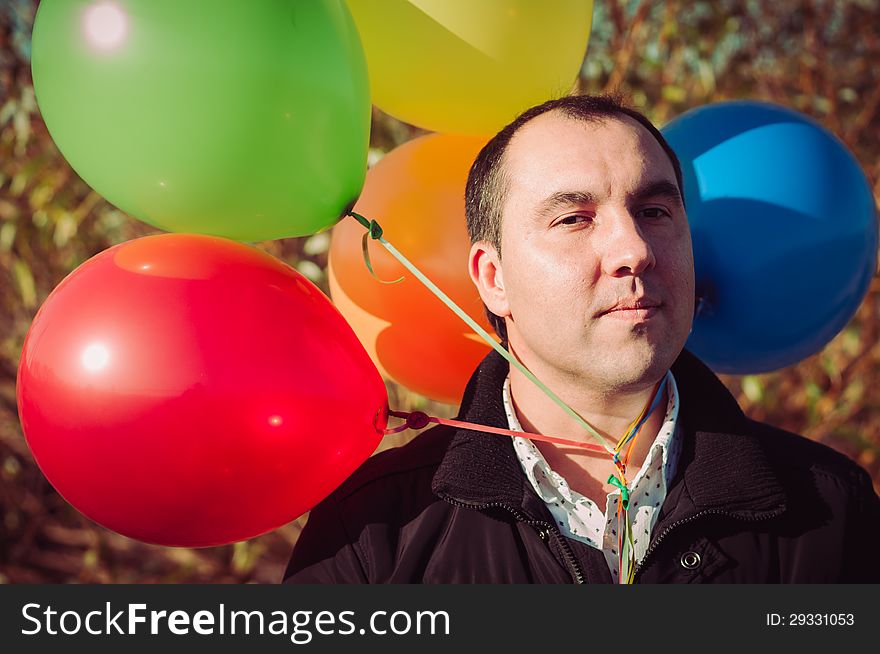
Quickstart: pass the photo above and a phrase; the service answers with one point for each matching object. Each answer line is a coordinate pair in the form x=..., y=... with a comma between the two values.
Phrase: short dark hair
x=485, y=190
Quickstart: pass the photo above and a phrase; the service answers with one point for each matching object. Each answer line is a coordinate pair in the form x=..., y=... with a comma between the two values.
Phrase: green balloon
x=245, y=119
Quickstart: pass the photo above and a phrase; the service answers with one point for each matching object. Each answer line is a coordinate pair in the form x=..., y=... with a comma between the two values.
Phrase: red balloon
x=191, y=391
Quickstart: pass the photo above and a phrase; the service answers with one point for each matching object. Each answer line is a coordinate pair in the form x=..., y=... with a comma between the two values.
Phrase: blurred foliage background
x=817, y=56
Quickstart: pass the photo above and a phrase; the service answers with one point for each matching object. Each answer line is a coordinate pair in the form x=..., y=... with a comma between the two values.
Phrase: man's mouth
x=633, y=307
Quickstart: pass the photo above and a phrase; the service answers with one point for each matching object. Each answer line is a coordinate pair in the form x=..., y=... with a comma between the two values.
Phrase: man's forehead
x=557, y=147
x=555, y=130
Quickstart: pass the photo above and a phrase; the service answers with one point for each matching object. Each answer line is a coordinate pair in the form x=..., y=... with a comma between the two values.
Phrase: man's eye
x=652, y=212
x=575, y=219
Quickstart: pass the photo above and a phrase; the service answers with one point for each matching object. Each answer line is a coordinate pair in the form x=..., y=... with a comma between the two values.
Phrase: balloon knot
x=417, y=420
x=372, y=226
x=414, y=420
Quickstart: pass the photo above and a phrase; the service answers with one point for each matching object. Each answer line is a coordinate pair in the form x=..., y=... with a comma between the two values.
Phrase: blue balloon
x=784, y=229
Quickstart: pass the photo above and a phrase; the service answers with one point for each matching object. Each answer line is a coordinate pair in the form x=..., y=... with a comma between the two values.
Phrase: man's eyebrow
x=565, y=199
x=663, y=188
x=562, y=199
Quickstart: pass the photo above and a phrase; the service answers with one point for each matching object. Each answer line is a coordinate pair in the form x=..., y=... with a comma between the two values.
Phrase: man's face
x=592, y=218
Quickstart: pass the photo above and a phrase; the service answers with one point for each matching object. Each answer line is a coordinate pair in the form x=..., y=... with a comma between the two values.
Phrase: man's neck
x=608, y=413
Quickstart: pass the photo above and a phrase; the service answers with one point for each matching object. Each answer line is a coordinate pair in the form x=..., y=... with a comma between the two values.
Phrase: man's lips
x=633, y=315
x=633, y=309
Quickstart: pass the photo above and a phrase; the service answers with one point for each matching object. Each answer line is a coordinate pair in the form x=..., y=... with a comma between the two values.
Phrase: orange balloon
x=416, y=193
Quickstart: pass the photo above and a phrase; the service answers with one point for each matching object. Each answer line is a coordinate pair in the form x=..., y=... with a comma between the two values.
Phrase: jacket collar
x=722, y=467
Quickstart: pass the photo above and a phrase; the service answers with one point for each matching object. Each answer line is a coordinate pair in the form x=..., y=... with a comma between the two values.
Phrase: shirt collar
x=666, y=443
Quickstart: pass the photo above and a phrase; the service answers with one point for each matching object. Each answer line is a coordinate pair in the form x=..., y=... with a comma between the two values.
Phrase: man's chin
x=637, y=368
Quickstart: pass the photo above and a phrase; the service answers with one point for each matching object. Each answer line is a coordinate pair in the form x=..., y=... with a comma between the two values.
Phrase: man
x=582, y=255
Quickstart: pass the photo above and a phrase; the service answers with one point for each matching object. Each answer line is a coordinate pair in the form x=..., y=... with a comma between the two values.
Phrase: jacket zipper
x=543, y=526
x=641, y=565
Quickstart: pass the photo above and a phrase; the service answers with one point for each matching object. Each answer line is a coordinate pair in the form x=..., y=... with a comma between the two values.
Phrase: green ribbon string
x=375, y=232
x=624, y=491
x=627, y=552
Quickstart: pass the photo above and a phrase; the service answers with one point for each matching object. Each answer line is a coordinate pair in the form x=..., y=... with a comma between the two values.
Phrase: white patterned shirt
x=579, y=517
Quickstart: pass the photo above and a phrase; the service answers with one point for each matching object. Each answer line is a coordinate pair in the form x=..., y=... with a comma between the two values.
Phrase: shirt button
x=690, y=560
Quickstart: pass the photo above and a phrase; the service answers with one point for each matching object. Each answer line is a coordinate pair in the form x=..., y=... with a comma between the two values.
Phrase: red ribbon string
x=420, y=420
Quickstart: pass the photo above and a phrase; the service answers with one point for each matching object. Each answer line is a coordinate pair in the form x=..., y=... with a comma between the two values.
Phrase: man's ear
x=484, y=266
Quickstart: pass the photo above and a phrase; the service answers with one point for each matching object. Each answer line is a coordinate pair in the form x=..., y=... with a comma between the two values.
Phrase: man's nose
x=626, y=249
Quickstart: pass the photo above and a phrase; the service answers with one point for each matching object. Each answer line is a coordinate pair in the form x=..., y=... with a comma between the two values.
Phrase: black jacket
x=749, y=503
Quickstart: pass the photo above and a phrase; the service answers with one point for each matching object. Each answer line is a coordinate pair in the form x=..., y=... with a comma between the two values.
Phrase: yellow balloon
x=470, y=66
